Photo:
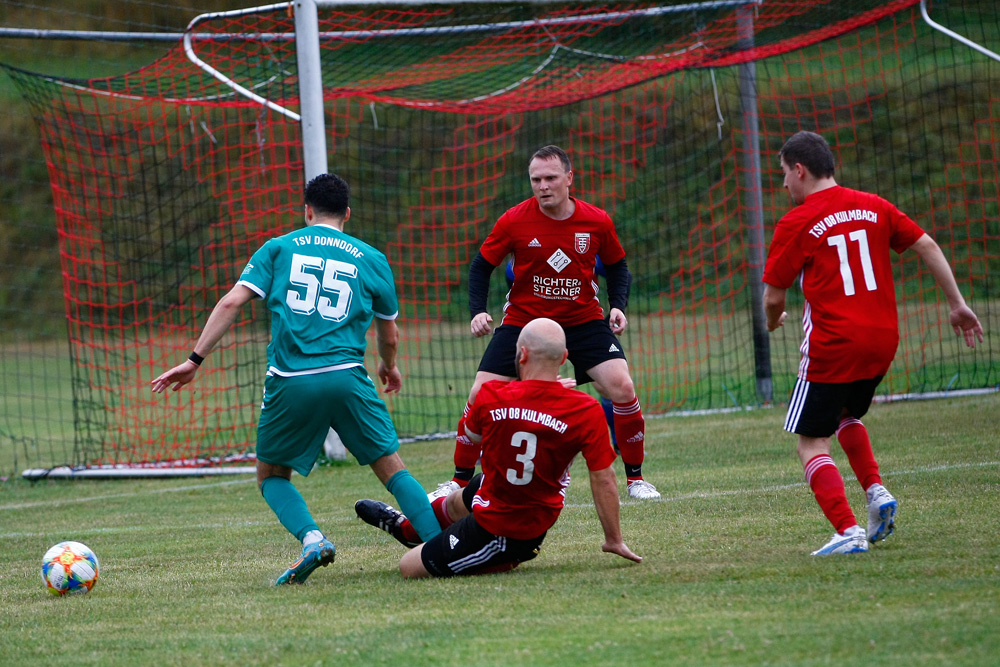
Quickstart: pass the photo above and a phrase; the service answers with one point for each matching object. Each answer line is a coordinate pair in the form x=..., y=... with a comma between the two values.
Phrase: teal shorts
x=298, y=412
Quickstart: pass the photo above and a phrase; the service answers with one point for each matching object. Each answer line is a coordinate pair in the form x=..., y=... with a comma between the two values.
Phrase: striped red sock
x=466, y=452
x=828, y=487
x=853, y=438
x=440, y=507
x=440, y=513
x=630, y=427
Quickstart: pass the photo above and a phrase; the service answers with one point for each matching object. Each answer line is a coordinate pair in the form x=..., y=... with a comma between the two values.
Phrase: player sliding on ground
x=836, y=243
x=530, y=431
x=323, y=288
x=555, y=240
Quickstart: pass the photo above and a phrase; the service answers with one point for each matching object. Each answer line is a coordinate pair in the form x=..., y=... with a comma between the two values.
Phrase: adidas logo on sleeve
x=534, y=243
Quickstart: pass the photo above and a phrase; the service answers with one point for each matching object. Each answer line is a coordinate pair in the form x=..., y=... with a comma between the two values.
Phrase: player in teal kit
x=323, y=288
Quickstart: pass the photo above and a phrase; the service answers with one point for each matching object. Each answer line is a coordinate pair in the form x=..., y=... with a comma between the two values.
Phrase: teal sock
x=412, y=500
x=287, y=503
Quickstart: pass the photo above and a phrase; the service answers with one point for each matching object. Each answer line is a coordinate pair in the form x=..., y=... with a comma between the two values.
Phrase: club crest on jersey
x=582, y=242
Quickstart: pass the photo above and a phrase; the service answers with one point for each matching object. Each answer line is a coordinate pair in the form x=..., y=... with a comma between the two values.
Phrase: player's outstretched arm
x=222, y=317
x=963, y=319
x=604, y=486
x=387, y=342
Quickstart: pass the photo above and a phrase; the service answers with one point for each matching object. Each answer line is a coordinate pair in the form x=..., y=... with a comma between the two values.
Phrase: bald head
x=541, y=350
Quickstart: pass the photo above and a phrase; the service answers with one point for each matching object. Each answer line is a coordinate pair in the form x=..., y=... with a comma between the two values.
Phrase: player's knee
x=621, y=389
x=411, y=566
x=476, y=384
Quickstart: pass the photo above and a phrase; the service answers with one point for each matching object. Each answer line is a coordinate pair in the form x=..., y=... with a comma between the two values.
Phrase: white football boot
x=444, y=489
x=642, y=490
x=852, y=541
x=881, y=513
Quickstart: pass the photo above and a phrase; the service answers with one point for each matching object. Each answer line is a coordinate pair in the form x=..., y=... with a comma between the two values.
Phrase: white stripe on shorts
x=492, y=548
x=795, y=405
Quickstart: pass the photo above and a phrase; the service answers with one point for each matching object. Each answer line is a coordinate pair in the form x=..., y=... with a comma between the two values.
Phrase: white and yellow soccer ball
x=69, y=568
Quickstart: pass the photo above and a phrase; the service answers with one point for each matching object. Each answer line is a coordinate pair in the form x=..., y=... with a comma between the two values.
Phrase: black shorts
x=589, y=344
x=465, y=548
x=815, y=408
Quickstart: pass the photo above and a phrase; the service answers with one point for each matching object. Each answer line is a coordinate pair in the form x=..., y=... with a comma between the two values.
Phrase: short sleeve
x=597, y=451
x=258, y=274
x=385, y=304
x=611, y=250
x=785, y=258
x=905, y=232
x=497, y=244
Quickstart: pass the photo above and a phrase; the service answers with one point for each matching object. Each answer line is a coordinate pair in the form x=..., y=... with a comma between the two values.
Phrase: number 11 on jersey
x=859, y=236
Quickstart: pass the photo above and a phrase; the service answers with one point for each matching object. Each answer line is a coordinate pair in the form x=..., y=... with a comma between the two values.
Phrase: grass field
x=187, y=567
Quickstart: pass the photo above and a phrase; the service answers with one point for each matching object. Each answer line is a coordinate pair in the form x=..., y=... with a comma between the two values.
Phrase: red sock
x=630, y=430
x=828, y=487
x=440, y=507
x=466, y=453
x=440, y=512
x=409, y=532
x=853, y=438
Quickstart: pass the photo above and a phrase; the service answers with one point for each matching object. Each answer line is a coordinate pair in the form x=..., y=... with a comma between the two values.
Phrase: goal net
x=165, y=181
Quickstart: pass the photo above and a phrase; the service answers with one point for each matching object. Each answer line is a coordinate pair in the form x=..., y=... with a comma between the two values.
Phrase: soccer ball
x=69, y=568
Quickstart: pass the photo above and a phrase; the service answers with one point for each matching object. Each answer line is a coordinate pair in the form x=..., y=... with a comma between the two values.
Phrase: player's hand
x=178, y=376
x=771, y=326
x=622, y=550
x=569, y=383
x=391, y=379
x=617, y=320
x=480, y=325
x=966, y=324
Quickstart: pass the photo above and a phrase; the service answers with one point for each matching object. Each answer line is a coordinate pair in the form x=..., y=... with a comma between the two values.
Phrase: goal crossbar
x=189, y=37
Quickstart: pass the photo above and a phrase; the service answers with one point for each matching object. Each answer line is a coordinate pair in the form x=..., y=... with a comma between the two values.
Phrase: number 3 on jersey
x=860, y=237
x=530, y=442
x=314, y=301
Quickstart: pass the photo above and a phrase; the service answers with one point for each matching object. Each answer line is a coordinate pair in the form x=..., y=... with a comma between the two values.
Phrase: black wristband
x=196, y=358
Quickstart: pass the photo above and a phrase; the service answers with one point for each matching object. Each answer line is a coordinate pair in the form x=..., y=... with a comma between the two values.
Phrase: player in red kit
x=530, y=431
x=836, y=242
x=554, y=240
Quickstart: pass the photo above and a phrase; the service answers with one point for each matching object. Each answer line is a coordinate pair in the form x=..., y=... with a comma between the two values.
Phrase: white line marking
x=160, y=528
x=328, y=519
x=57, y=503
x=785, y=487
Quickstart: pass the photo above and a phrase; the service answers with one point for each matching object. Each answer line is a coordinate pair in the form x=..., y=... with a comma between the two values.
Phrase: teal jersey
x=322, y=287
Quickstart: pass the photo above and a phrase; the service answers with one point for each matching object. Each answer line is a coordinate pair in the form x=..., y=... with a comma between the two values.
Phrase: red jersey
x=553, y=261
x=532, y=430
x=838, y=241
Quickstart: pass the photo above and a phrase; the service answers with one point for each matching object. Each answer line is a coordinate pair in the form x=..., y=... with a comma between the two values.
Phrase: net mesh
x=166, y=180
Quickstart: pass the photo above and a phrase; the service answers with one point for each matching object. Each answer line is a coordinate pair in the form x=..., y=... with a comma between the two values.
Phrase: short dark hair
x=549, y=152
x=328, y=194
x=810, y=150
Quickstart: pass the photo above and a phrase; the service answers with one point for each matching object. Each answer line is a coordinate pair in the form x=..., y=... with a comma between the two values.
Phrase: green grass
x=187, y=566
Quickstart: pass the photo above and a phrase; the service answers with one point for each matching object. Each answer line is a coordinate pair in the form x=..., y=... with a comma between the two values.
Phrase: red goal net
x=166, y=180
